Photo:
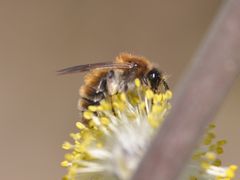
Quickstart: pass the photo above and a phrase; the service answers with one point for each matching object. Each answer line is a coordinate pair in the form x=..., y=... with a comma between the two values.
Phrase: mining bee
x=108, y=78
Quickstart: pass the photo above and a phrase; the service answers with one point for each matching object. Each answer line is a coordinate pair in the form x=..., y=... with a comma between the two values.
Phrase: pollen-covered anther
x=157, y=109
x=149, y=94
x=105, y=121
x=105, y=106
x=92, y=108
x=65, y=164
x=210, y=156
x=205, y=165
x=153, y=121
x=123, y=97
x=69, y=157
x=75, y=136
x=87, y=115
x=217, y=162
x=67, y=145
x=80, y=125
x=157, y=98
x=168, y=94
x=137, y=82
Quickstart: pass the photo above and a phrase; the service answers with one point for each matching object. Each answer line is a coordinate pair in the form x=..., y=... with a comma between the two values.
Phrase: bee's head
x=154, y=79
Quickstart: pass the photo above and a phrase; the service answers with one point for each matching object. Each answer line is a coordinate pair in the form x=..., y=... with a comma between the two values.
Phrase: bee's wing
x=88, y=67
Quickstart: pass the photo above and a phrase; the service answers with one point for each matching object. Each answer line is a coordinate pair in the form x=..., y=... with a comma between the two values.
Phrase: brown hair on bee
x=106, y=79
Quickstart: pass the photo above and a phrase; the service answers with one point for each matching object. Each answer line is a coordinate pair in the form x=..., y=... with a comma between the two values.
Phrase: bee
x=108, y=78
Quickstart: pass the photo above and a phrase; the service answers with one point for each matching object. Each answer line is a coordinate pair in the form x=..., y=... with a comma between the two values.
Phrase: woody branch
x=197, y=97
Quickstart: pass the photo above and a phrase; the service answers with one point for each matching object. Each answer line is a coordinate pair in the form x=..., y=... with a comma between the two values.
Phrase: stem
x=198, y=96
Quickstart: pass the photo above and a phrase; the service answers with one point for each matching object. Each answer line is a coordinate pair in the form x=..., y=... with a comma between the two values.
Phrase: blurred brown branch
x=197, y=98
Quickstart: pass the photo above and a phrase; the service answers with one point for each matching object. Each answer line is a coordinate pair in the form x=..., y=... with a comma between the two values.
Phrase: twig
x=197, y=98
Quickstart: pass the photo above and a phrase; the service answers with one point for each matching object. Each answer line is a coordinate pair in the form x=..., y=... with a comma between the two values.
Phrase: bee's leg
x=144, y=80
x=165, y=85
x=91, y=95
x=102, y=87
x=87, y=102
x=128, y=79
x=113, y=82
x=94, y=95
x=112, y=86
x=97, y=97
x=83, y=106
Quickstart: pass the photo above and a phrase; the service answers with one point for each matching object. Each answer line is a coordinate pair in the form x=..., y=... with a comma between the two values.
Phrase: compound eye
x=154, y=78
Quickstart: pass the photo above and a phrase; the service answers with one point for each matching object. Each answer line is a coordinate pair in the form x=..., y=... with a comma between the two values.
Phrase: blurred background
x=38, y=109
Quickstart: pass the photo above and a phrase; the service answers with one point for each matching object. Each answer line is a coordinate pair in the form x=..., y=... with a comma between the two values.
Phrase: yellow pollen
x=152, y=121
x=221, y=142
x=157, y=98
x=211, y=135
x=105, y=121
x=233, y=167
x=205, y=165
x=137, y=82
x=219, y=150
x=69, y=157
x=157, y=109
x=210, y=156
x=79, y=148
x=119, y=105
x=64, y=163
x=75, y=136
x=211, y=126
x=80, y=125
x=92, y=108
x=217, y=162
x=207, y=141
x=212, y=147
x=67, y=146
x=105, y=105
x=193, y=178
x=149, y=94
x=168, y=94
x=91, y=124
x=197, y=156
x=123, y=97
x=99, y=145
x=87, y=115
x=230, y=173
x=142, y=106
x=100, y=108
